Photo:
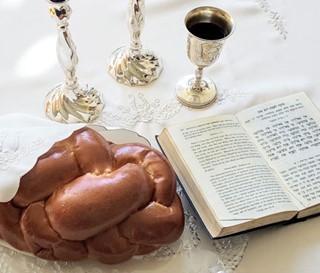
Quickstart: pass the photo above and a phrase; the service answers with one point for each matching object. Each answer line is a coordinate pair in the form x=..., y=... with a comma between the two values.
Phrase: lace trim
x=139, y=109
x=231, y=259
x=226, y=96
x=229, y=252
x=275, y=18
x=10, y=153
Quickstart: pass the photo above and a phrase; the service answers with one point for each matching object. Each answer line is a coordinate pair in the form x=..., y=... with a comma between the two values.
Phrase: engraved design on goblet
x=208, y=28
x=134, y=65
x=69, y=102
x=209, y=53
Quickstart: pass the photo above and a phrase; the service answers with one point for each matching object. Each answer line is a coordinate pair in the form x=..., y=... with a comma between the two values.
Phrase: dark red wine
x=207, y=31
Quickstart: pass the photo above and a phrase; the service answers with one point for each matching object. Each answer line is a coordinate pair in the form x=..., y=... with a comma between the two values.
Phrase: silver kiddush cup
x=208, y=28
x=70, y=102
x=134, y=65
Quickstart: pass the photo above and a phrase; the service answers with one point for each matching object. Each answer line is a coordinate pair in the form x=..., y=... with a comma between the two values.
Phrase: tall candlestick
x=134, y=65
x=69, y=102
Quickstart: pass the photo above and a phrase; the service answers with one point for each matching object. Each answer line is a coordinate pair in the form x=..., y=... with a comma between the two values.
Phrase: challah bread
x=90, y=198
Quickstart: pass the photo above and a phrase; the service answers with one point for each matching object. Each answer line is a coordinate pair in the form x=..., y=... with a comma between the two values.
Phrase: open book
x=252, y=169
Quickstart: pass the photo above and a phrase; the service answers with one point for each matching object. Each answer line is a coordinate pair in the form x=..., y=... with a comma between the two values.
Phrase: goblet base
x=134, y=68
x=196, y=98
x=82, y=104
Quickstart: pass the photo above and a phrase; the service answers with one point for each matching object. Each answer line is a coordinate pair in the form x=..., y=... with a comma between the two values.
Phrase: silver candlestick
x=70, y=102
x=133, y=65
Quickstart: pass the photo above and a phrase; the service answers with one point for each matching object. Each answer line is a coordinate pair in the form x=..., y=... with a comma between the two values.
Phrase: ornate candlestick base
x=82, y=104
x=199, y=97
x=134, y=68
x=134, y=65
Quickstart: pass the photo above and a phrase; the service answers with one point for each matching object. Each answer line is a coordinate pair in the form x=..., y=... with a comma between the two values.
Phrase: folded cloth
x=23, y=139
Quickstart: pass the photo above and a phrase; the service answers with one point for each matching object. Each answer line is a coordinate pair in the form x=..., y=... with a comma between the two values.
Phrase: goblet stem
x=198, y=78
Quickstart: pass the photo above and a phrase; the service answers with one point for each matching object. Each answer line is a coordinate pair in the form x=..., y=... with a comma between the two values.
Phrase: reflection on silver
x=133, y=65
x=194, y=90
x=69, y=102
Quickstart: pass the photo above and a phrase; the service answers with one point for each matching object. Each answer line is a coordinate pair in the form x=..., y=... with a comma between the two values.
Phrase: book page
x=232, y=176
x=287, y=132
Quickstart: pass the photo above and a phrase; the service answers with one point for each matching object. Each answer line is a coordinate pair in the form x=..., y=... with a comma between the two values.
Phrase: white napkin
x=23, y=139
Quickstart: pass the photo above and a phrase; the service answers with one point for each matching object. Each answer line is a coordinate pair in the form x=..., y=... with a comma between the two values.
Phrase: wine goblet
x=134, y=65
x=70, y=102
x=208, y=28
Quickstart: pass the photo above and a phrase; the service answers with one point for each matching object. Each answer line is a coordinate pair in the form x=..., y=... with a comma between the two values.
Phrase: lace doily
x=193, y=253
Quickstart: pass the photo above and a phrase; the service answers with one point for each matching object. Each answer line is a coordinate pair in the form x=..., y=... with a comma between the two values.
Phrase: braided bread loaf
x=89, y=198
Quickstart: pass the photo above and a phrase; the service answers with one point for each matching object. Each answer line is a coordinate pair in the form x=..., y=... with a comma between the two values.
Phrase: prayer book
x=244, y=171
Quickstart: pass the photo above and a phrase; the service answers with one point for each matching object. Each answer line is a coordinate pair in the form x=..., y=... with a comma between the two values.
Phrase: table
x=273, y=52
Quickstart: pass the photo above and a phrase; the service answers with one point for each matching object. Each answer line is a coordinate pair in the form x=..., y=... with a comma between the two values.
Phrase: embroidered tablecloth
x=273, y=52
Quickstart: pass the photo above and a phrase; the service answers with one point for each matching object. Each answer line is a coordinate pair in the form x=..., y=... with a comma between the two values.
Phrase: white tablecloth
x=273, y=52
